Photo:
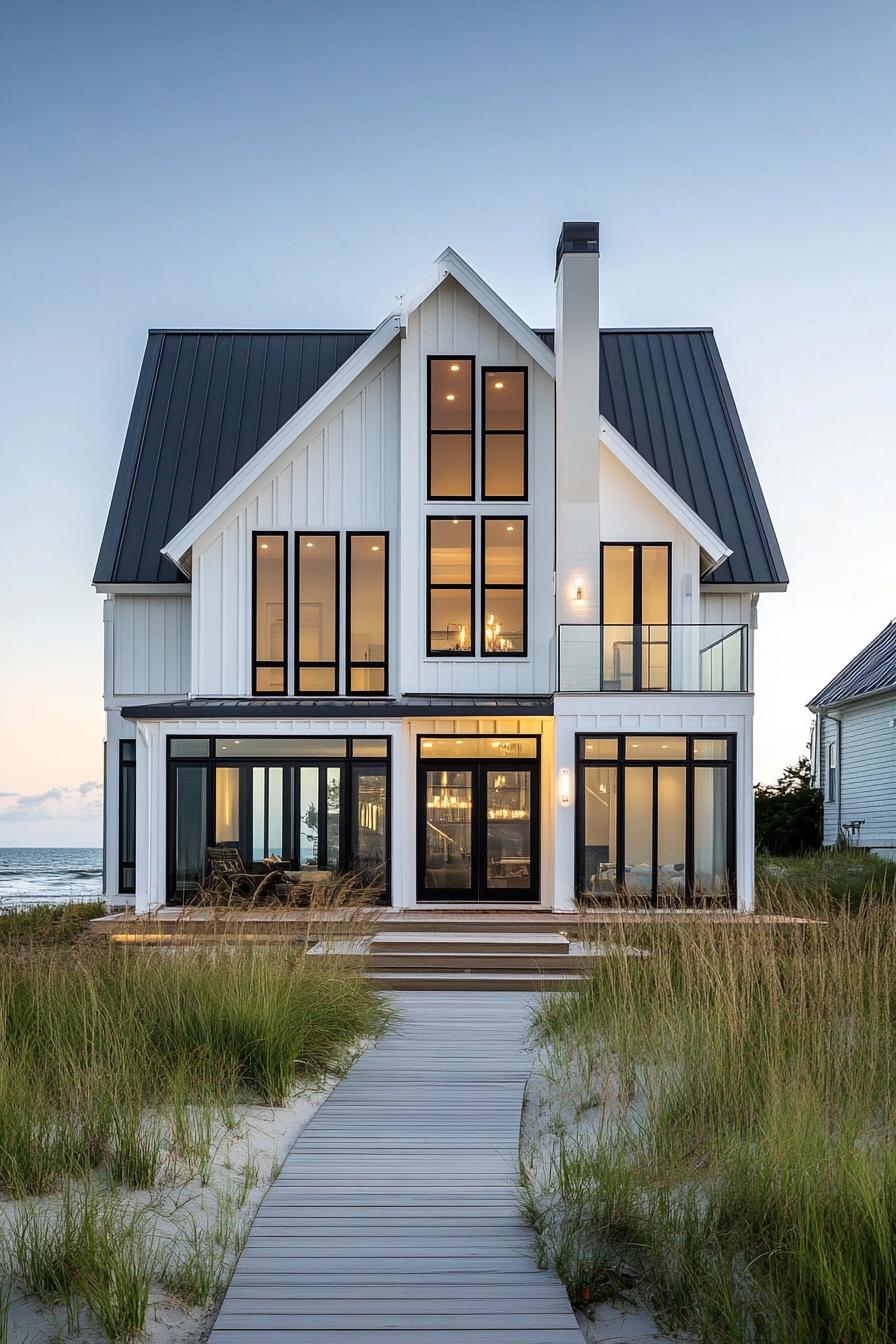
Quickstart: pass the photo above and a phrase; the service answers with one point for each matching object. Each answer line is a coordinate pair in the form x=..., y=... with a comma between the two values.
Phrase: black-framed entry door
x=477, y=830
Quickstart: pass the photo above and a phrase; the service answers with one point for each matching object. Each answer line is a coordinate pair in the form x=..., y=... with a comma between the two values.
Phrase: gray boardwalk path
x=395, y=1215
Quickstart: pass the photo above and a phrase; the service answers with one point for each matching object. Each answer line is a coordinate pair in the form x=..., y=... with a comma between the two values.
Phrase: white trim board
x=178, y=547
x=450, y=263
x=712, y=546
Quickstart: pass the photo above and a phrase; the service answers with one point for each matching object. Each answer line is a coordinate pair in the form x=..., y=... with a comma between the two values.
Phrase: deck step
x=469, y=941
x=472, y=980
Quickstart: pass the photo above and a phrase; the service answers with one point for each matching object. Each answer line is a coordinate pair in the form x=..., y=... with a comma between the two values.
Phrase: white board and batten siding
x=866, y=772
x=340, y=475
x=451, y=322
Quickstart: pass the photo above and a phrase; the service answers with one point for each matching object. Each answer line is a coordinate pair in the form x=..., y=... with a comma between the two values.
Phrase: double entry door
x=477, y=830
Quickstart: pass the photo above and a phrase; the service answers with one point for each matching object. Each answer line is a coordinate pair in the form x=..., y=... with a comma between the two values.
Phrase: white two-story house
x=460, y=604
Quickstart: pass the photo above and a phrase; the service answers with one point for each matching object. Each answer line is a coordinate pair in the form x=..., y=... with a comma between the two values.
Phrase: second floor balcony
x=605, y=658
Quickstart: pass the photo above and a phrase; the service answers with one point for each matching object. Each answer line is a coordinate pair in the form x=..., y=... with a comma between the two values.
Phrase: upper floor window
x=367, y=612
x=504, y=433
x=450, y=586
x=450, y=428
x=635, y=614
x=269, y=613
x=504, y=586
x=317, y=613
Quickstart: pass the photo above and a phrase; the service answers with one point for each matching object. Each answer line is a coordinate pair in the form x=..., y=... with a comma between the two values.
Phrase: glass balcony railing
x=595, y=658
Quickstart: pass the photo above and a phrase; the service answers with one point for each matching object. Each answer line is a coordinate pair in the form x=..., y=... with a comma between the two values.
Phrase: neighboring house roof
x=206, y=402
x=871, y=671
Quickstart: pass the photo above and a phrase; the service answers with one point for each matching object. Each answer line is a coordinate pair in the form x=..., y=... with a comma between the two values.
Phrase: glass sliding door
x=635, y=616
x=655, y=817
x=478, y=820
x=302, y=803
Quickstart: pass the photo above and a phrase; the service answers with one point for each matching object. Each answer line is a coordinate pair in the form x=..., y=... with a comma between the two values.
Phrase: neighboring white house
x=459, y=603
x=854, y=748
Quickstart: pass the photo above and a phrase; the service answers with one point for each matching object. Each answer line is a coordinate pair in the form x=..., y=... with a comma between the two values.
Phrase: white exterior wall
x=866, y=772
x=341, y=475
x=146, y=657
x=450, y=322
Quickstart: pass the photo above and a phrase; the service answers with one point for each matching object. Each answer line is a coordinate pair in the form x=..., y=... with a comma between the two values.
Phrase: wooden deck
x=395, y=1215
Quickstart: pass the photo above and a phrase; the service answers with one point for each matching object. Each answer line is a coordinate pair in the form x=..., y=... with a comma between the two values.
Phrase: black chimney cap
x=577, y=236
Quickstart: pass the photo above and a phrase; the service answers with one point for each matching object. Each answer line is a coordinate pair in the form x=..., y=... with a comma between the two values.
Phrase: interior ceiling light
x=450, y=396
x=509, y=528
x=374, y=548
x=455, y=368
x=309, y=544
x=499, y=385
x=264, y=546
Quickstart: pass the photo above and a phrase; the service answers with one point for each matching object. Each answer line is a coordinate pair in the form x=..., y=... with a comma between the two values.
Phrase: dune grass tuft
x=724, y=1142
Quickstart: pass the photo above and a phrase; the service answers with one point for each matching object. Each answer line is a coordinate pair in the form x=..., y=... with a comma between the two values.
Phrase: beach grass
x=54, y=925
x=825, y=877
x=721, y=1143
x=120, y=1069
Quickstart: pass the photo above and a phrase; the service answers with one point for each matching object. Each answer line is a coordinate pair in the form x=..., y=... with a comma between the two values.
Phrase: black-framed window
x=317, y=613
x=505, y=433
x=504, y=604
x=127, y=816
x=655, y=817
x=269, y=613
x=636, y=614
x=450, y=418
x=449, y=584
x=367, y=613
x=307, y=803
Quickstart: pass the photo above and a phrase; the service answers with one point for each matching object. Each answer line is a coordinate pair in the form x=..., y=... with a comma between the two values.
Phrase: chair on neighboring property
x=229, y=882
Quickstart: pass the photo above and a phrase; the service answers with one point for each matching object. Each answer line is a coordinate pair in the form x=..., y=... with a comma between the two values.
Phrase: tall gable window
x=269, y=613
x=636, y=583
x=504, y=586
x=367, y=612
x=450, y=427
x=317, y=613
x=450, y=583
x=504, y=433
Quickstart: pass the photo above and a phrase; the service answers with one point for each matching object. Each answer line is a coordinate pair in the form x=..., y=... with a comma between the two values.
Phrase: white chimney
x=577, y=349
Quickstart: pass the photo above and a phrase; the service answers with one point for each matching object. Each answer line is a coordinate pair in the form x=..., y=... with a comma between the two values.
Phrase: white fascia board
x=144, y=589
x=450, y=263
x=712, y=546
x=176, y=549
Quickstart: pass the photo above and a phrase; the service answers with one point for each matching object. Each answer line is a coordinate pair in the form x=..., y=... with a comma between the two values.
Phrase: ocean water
x=49, y=875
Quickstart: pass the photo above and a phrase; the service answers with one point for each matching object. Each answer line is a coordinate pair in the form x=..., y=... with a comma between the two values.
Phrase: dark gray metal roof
x=207, y=401
x=874, y=669
x=404, y=707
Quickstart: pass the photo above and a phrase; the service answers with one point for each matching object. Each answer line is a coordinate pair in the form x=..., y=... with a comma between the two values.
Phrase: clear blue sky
x=292, y=164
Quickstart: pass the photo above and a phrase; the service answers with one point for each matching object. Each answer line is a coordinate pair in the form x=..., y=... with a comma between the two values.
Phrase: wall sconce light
x=564, y=788
x=577, y=588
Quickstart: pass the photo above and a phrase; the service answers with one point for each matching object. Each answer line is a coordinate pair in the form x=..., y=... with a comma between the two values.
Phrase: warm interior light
x=509, y=527
x=564, y=787
x=374, y=548
x=499, y=385
x=309, y=544
x=450, y=396
x=455, y=368
x=427, y=745
x=578, y=590
x=264, y=546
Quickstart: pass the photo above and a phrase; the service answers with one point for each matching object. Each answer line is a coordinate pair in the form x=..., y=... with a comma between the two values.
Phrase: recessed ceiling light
x=374, y=548
x=427, y=745
x=264, y=546
x=455, y=368
x=309, y=544
x=499, y=385
x=509, y=528
x=450, y=396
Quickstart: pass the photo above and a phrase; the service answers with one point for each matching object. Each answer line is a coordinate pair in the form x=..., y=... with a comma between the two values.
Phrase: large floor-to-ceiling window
x=655, y=817
x=306, y=803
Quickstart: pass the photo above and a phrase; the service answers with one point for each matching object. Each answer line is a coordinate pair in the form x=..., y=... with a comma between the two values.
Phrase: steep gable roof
x=873, y=669
x=206, y=402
